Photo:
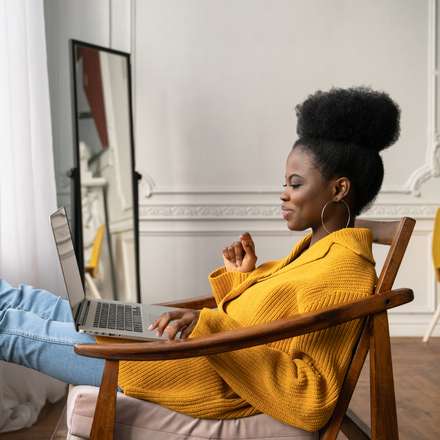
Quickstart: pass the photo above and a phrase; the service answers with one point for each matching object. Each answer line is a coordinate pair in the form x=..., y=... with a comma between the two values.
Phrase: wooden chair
x=374, y=337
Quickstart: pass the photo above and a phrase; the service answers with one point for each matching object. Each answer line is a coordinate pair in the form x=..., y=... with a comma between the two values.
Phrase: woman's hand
x=240, y=255
x=175, y=321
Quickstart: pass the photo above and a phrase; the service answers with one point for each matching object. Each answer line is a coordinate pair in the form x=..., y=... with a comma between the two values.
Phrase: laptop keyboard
x=118, y=317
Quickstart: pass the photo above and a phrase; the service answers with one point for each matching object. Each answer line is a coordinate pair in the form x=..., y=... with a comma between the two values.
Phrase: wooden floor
x=416, y=368
x=417, y=383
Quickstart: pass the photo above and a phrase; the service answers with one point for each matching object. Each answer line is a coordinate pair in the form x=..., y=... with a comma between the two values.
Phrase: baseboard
x=412, y=325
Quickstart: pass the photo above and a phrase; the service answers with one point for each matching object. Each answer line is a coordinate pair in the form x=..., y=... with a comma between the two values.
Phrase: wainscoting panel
x=177, y=257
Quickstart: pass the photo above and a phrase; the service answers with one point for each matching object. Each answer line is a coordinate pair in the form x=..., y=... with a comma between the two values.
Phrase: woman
x=333, y=172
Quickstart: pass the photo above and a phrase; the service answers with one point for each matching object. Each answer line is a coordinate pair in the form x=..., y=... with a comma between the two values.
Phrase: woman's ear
x=341, y=188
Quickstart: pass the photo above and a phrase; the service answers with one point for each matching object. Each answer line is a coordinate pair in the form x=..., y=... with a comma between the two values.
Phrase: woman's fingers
x=183, y=325
x=225, y=254
x=186, y=331
x=238, y=252
x=248, y=245
x=248, y=242
x=234, y=253
x=229, y=254
x=250, y=251
x=173, y=322
x=174, y=327
x=161, y=323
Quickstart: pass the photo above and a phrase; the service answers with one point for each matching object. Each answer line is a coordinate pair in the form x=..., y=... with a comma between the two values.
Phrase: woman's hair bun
x=357, y=115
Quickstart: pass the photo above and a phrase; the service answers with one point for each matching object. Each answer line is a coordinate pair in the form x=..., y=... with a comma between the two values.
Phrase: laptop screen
x=66, y=254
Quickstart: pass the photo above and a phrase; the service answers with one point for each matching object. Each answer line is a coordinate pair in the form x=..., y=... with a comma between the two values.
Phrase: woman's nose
x=284, y=197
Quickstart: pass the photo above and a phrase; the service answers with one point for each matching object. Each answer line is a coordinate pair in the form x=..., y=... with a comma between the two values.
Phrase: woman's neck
x=320, y=232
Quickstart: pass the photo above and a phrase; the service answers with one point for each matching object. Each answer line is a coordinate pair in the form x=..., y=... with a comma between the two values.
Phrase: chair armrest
x=248, y=336
x=195, y=302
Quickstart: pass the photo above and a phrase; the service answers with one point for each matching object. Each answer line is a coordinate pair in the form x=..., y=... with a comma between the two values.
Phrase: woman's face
x=306, y=191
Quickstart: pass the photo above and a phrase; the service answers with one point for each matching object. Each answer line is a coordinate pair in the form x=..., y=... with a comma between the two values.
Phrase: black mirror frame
x=74, y=173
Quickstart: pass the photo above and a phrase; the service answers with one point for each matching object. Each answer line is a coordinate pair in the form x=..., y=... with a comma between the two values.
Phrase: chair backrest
x=396, y=234
x=374, y=337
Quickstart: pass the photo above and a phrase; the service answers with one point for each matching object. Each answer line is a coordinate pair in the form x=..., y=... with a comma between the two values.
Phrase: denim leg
x=47, y=346
x=41, y=302
x=37, y=331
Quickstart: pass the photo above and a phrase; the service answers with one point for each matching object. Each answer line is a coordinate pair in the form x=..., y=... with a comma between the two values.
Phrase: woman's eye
x=292, y=185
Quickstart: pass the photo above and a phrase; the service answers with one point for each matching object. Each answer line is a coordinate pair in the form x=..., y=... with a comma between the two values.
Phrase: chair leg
x=383, y=401
x=331, y=430
x=432, y=324
x=104, y=419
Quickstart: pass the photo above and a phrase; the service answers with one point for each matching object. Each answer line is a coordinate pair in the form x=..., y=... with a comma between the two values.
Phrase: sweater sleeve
x=222, y=282
x=263, y=375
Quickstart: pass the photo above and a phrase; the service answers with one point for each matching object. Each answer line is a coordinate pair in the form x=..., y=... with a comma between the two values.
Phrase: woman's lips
x=285, y=213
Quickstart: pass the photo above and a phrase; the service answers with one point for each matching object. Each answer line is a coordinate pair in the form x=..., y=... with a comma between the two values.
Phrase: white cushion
x=140, y=420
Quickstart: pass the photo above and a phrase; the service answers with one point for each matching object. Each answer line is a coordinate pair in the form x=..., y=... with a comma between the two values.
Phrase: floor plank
x=417, y=383
x=416, y=368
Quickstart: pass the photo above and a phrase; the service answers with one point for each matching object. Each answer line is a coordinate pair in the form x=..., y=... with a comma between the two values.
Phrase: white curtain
x=27, y=190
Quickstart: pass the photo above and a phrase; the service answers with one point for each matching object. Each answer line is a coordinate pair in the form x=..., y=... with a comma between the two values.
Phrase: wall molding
x=239, y=211
x=148, y=188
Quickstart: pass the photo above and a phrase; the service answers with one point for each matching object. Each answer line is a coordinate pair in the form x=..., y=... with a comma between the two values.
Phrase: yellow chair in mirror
x=92, y=266
x=436, y=261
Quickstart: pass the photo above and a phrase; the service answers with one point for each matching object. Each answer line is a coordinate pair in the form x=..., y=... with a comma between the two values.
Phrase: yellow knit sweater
x=297, y=380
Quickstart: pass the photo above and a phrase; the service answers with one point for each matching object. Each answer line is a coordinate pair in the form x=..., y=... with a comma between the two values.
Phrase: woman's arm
x=222, y=282
x=239, y=262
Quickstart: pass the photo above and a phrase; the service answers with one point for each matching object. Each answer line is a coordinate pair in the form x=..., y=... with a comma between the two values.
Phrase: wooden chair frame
x=374, y=337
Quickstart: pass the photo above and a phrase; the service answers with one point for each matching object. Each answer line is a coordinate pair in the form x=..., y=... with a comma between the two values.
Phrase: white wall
x=215, y=84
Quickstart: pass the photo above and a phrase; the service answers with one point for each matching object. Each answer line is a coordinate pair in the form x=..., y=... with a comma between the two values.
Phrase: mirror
x=104, y=208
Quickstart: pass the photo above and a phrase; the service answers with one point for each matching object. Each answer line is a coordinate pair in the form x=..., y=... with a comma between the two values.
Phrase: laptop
x=99, y=316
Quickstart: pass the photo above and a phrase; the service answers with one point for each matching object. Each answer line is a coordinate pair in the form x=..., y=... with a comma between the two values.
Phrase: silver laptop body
x=99, y=316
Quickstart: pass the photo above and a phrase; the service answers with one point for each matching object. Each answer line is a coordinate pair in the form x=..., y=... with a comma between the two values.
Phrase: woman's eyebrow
x=293, y=175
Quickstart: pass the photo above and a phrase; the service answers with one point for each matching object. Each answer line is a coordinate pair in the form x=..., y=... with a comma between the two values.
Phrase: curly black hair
x=345, y=129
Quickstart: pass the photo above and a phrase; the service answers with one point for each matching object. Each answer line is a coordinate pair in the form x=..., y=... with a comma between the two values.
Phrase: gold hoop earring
x=325, y=206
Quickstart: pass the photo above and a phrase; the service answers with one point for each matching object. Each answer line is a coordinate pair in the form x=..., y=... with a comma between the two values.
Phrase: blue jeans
x=37, y=331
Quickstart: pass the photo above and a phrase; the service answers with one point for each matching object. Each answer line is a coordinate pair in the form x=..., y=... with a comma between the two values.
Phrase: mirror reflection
x=106, y=173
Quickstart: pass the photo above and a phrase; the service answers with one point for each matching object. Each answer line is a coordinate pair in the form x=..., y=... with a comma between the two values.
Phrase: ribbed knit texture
x=297, y=380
